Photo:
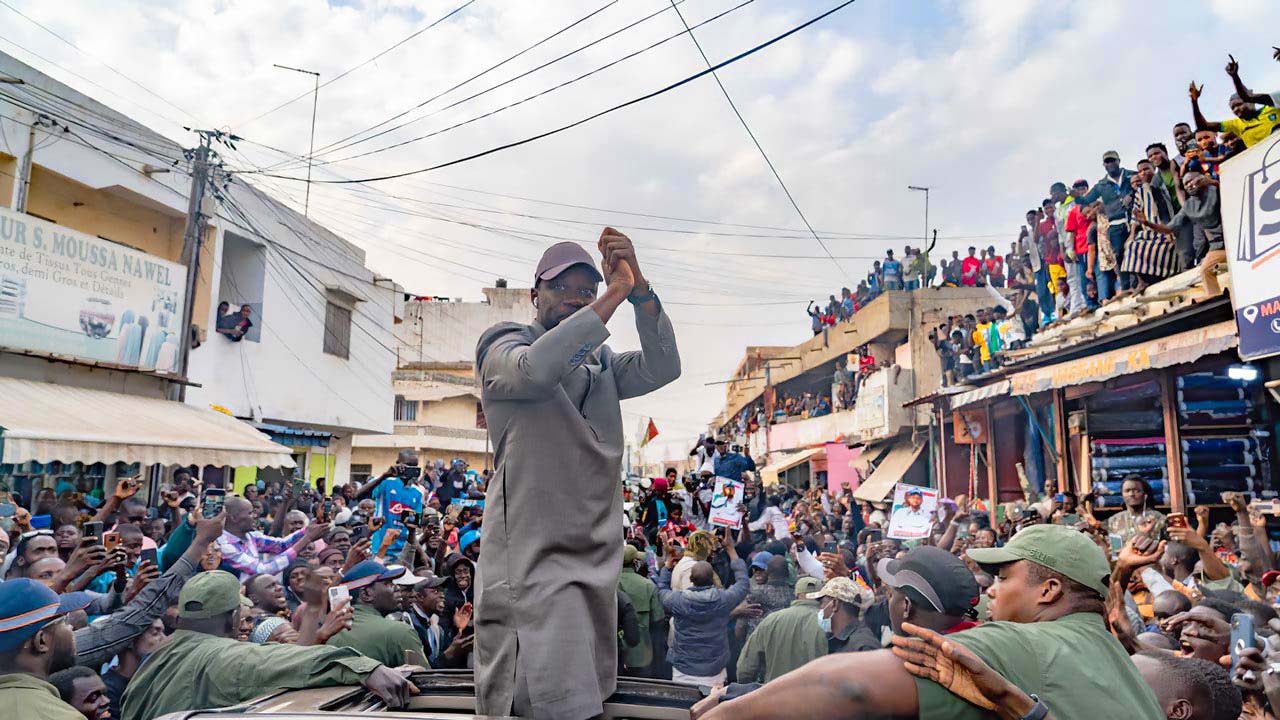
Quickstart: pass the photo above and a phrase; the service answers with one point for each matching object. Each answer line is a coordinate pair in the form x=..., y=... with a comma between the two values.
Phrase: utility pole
x=24, y=184
x=191, y=253
x=315, y=101
x=924, y=190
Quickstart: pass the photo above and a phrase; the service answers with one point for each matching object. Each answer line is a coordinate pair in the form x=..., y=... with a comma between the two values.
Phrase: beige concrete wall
x=458, y=412
x=382, y=458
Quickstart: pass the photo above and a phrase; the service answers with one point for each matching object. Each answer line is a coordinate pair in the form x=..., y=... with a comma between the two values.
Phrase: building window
x=361, y=472
x=337, y=330
x=406, y=410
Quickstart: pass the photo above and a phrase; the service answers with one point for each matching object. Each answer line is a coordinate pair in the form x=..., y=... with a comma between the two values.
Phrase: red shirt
x=969, y=271
x=995, y=267
x=1078, y=224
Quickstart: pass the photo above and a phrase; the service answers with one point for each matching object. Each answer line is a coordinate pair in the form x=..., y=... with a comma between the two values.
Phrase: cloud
x=986, y=102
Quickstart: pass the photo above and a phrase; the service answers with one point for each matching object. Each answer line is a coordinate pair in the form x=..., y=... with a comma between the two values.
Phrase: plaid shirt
x=246, y=555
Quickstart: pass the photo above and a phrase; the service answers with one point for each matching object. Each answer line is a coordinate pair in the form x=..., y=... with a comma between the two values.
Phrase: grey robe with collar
x=546, y=611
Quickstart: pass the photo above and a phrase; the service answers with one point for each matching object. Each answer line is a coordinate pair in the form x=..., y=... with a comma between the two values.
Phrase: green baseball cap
x=209, y=594
x=1061, y=549
x=630, y=554
x=807, y=585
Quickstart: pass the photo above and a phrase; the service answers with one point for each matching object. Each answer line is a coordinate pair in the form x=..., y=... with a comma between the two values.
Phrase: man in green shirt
x=1048, y=639
x=203, y=666
x=35, y=642
x=649, y=615
x=786, y=639
x=372, y=634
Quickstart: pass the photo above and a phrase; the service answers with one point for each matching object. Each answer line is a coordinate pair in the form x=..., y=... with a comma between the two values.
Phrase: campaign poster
x=913, y=511
x=725, y=500
x=1250, y=188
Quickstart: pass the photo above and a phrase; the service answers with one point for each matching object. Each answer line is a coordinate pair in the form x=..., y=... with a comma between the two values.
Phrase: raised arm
x=1201, y=123
x=1233, y=69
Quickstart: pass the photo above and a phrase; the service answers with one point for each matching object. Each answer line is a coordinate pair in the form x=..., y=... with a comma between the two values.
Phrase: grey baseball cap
x=561, y=257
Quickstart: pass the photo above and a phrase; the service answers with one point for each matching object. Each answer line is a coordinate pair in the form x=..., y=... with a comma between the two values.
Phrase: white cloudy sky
x=986, y=101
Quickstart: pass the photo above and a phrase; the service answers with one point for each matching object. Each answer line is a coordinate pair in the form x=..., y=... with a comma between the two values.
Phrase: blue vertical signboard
x=1251, y=225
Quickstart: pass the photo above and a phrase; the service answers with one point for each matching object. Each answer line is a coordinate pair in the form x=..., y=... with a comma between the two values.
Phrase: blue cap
x=368, y=572
x=915, y=491
x=27, y=606
x=465, y=541
x=761, y=560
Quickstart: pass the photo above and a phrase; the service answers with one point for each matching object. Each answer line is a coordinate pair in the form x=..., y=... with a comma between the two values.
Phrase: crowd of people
x=808, y=599
x=111, y=608
x=1087, y=244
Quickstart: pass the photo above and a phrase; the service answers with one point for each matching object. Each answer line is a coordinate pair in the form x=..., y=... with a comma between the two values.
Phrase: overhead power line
x=583, y=121
x=787, y=191
x=353, y=68
x=476, y=76
x=519, y=102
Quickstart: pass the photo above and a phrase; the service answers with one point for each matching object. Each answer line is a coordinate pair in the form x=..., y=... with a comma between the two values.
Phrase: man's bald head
x=702, y=574
x=239, y=515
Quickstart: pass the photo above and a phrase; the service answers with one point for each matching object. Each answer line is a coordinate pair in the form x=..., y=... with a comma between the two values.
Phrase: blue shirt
x=392, y=496
x=892, y=270
x=732, y=465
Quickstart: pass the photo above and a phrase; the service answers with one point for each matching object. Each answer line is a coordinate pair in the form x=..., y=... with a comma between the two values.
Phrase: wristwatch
x=1038, y=711
x=648, y=295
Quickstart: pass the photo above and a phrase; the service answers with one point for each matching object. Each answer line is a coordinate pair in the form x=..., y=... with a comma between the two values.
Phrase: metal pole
x=27, y=157
x=315, y=101
x=191, y=254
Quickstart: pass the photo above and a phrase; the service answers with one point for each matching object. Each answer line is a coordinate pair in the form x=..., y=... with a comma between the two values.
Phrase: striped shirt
x=246, y=555
x=1149, y=252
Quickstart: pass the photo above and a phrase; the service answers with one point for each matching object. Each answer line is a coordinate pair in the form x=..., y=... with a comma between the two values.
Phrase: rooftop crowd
x=1083, y=245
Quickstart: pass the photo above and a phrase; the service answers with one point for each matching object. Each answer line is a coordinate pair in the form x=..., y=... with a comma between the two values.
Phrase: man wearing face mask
x=546, y=607
x=34, y=643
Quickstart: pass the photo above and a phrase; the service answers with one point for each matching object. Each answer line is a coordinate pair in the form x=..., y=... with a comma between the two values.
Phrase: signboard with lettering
x=1183, y=347
x=70, y=295
x=1250, y=187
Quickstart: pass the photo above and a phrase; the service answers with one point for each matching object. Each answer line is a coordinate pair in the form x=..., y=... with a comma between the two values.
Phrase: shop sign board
x=71, y=295
x=1250, y=187
x=1175, y=349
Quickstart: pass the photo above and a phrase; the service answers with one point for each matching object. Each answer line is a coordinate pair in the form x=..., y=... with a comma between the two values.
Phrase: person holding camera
x=395, y=491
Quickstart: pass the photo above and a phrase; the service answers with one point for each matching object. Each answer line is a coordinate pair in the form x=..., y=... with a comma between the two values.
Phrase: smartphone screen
x=328, y=510
x=149, y=555
x=339, y=595
x=409, y=518
x=214, y=498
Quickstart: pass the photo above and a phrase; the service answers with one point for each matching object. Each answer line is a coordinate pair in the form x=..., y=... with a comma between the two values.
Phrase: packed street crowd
x=782, y=602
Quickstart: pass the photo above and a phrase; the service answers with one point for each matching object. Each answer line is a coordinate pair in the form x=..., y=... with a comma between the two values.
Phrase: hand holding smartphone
x=339, y=596
x=214, y=499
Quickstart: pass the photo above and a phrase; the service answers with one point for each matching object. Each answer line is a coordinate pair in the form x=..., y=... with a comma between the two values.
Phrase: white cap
x=408, y=578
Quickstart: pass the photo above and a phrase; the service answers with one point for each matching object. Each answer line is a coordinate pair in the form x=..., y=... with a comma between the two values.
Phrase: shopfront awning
x=1176, y=349
x=294, y=437
x=970, y=397
x=769, y=473
x=43, y=422
x=895, y=464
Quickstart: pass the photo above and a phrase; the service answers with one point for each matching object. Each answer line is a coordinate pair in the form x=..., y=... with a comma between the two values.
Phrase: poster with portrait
x=725, y=500
x=913, y=512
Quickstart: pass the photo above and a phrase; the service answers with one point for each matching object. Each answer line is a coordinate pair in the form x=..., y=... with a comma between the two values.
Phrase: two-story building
x=437, y=399
x=93, y=287
x=829, y=411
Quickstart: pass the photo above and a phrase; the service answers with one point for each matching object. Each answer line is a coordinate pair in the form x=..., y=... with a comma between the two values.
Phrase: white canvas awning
x=769, y=473
x=43, y=422
x=888, y=472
